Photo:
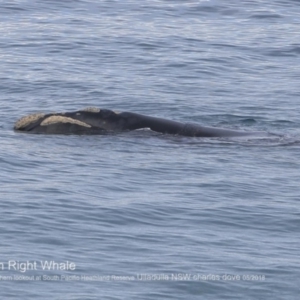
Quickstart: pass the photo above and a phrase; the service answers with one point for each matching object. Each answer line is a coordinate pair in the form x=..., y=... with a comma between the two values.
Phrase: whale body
x=102, y=121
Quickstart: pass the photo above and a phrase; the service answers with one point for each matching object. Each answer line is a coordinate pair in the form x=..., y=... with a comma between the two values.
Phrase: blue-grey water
x=142, y=215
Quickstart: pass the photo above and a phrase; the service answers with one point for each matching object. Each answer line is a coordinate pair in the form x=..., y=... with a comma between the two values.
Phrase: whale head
x=86, y=121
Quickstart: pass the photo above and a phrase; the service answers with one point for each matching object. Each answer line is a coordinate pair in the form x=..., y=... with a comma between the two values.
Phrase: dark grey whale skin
x=106, y=121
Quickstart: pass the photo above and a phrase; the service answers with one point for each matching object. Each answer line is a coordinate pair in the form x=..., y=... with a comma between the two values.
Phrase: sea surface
x=143, y=215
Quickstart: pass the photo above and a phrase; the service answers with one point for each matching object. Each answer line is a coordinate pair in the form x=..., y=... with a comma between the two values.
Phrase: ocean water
x=142, y=215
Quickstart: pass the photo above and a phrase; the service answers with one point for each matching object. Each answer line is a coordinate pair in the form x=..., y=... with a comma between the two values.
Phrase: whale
x=92, y=121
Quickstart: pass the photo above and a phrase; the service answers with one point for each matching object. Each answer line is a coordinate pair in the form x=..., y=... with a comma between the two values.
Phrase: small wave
x=11, y=8
x=265, y=15
x=284, y=51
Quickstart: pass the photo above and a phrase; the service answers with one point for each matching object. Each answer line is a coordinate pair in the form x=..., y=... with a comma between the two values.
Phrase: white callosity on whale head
x=97, y=110
x=60, y=119
x=91, y=109
x=27, y=120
